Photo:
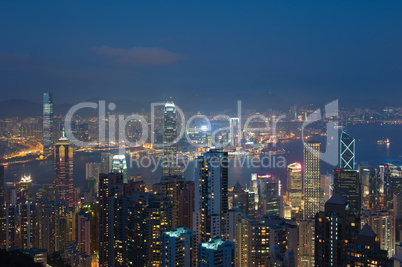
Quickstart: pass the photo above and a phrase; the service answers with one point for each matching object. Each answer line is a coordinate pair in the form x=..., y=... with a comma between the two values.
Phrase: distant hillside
x=188, y=103
x=19, y=108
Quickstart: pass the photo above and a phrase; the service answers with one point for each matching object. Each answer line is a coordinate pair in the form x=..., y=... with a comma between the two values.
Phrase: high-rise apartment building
x=306, y=243
x=84, y=233
x=216, y=253
x=366, y=251
x=383, y=224
x=211, y=195
x=177, y=247
x=186, y=205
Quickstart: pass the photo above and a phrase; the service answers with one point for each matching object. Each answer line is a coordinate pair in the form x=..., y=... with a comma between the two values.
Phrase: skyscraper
x=242, y=241
x=254, y=191
x=269, y=195
x=347, y=183
x=294, y=186
x=2, y=210
x=186, y=205
x=397, y=205
x=347, y=152
x=173, y=185
x=47, y=122
x=63, y=167
x=235, y=132
x=119, y=165
x=366, y=251
x=211, y=195
x=158, y=214
x=23, y=189
x=106, y=181
x=106, y=162
x=169, y=136
x=84, y=233
x=177, y=247
x=1, y=186
x=92, y=170
x=334, y=229
x=383, y=224
x=306, y=243
x=258, y=242
x=365, y=176
x=311, y=179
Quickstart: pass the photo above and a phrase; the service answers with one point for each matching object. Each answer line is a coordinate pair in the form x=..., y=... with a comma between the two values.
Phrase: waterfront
x=367, y=150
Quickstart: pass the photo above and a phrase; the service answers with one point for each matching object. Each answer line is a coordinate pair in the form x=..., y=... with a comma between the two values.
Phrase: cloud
x=139, y=56
x=21, y=59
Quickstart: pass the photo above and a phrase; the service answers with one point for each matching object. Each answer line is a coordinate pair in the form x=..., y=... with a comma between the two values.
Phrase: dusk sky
x=147, y=50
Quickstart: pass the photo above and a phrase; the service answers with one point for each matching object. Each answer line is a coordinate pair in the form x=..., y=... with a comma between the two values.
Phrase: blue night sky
x=148, y=50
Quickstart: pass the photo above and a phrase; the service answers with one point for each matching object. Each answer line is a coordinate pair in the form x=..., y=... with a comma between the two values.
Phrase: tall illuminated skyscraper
x=294, y=186
x=47, y=122
x=63, y=168
x=347, y=152
x=311, y=179
x=211, y=195
x=169, y=136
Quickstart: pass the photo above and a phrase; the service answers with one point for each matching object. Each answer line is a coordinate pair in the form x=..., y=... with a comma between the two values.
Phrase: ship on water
x=383, y=142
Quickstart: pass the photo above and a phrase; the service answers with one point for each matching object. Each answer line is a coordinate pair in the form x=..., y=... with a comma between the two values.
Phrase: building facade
x=311, y=179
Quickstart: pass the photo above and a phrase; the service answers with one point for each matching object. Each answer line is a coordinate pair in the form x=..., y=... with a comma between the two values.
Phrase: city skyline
x=210, y=134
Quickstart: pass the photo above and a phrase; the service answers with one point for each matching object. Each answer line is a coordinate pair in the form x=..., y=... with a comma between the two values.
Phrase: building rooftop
x=367, y=231
x=237, y=185
x=337, y=199
x=213, y=243
x=177, y=232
